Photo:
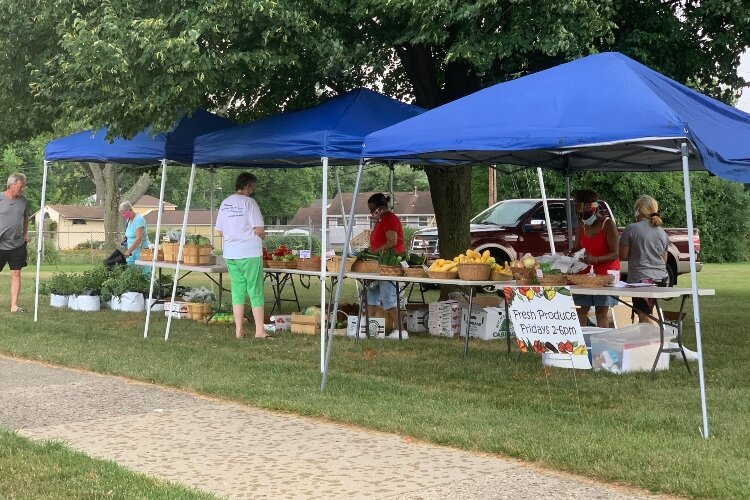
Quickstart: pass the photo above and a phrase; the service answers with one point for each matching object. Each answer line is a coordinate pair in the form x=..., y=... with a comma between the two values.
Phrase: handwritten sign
x=305, y=254
x=545, y=322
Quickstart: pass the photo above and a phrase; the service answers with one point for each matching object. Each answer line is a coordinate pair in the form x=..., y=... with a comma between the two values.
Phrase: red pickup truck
x=512, y=228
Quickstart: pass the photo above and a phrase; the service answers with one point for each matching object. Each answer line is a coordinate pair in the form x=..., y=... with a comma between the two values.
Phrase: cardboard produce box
x=302, y=323
x=177, y=309
x=484, y=323
x=444, y=318
x=282, y=322
x=417, y=316
x=376, y=327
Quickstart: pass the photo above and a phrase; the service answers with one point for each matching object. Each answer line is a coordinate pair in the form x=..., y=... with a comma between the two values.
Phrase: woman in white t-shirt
x=241, y=224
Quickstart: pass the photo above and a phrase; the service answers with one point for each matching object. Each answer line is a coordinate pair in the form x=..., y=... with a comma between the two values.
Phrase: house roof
x=148, y=201
x=174, y=218
x=407, y=203
x=96, y=212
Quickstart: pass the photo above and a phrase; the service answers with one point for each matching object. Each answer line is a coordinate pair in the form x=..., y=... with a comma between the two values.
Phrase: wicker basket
x=282, y=264
x=553, y=280
x=474, y=272
x=391, y=270
x=309, y=264
x=442, y=275
x=366, y=266
x=496, y=276
x=415, y=272
x=586, y=281
x=524, y=276
x=333, y=264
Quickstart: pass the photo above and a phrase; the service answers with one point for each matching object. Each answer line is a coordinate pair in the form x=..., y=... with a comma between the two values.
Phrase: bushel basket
x=415, y=272
x=524, y=276
x=333, y=264
x=391, y=270
x=309, y=264
x=366, y=266
x=588, y=281
x=474, y=272
x=443, y=275
x=553, y=280
x=496, y=276
x=282, y=264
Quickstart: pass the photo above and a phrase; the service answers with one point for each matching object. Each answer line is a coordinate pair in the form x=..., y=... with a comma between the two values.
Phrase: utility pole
x=492, y=186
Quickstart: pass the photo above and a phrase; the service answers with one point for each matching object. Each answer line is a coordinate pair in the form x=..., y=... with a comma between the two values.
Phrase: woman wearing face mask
x=644, y=245
x=386, y=234
x=135, y=232
x=596, y=234
x=240, y=223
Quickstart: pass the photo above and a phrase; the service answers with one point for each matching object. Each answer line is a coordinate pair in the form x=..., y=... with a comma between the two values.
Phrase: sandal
x=267, y=337
x=19, y=310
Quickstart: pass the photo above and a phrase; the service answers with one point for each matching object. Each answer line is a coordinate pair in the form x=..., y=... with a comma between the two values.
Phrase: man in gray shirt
x=14, y=234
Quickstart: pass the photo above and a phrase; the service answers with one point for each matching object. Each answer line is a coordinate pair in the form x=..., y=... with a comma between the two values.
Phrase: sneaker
x=394, y=335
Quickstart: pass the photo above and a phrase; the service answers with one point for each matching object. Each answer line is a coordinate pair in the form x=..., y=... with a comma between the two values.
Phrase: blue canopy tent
x=604, y=112
x=329, y=133
x=146, y=148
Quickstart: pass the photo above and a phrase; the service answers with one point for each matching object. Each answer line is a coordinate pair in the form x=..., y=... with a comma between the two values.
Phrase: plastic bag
x=202, y=295
x=564, y=263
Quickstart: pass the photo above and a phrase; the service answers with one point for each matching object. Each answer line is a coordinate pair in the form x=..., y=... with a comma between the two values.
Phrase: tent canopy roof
x=143, y=149
x=334, y=129
x=602, y=112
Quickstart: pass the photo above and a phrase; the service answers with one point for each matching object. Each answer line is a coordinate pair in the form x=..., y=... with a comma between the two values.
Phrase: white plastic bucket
x=88, y=303
x=58, y=300
x=73, y=302
x=132, y=302
x=115, y=303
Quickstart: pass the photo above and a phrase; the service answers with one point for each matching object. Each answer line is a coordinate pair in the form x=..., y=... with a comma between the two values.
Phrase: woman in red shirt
x=387, y=233
x=596, y=234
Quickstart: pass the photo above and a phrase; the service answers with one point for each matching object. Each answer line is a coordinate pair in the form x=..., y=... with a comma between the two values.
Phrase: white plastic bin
x=628, y=349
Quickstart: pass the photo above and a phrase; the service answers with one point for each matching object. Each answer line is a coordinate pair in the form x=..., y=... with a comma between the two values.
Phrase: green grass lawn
x=51, y=470
x=628, y=428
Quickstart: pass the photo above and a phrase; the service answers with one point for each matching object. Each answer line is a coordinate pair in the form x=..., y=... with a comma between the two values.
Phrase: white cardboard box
x=484, y=323
x=444, y=318
x=416, y=320
x=282, y=322
x=377, y=327
x=176, y=309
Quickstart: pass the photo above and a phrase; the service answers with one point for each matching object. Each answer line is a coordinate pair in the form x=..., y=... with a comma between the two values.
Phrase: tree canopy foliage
x=128, y=64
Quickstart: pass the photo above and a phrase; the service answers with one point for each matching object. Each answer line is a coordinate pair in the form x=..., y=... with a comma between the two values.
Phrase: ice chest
x=628, y=349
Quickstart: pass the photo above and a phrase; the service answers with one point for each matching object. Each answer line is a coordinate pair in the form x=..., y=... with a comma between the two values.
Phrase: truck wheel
x=500, y=256
x=671, y=272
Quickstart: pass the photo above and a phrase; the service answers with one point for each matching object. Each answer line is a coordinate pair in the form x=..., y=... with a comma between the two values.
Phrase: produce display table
x=279, y=278
x=401, y=282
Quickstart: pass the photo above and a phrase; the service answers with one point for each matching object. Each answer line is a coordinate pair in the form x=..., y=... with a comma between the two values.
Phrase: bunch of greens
x=389, y=258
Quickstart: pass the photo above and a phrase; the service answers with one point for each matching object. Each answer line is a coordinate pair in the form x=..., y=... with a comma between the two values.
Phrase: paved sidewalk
x=236, y=451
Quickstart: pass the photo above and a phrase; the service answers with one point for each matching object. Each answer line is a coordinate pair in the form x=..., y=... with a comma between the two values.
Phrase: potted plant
x=134, y=286
x=60, y=287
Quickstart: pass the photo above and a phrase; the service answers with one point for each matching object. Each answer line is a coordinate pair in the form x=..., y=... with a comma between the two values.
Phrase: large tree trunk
x=112, y=230
x=451, y=198
x=106, y=180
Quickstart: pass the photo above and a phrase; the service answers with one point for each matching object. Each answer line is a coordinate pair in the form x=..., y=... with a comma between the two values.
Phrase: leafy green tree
x=127, y=65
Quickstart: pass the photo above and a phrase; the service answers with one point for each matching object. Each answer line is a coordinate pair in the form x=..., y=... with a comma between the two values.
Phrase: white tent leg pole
x=323, y=247
x=40, y=239
x=340, y=280
x=694, y=286
x=546, y=209
x=157, y=237
x=341, y=198
x=182, y=245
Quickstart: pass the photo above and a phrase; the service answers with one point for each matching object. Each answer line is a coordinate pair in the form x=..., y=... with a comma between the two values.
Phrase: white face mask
x=590, y=220
x=636, y=214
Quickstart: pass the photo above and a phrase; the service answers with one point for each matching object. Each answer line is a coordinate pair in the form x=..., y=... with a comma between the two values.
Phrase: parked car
x=512, y=228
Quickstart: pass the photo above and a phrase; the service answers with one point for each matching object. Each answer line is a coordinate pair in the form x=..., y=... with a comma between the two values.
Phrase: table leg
x=398, y=309
x=468, y=325
x=660, y=320
x=679, y=331
x=507, y=323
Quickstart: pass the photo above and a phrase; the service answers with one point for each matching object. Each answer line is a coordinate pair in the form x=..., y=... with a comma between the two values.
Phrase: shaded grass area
x=627, y=428
x=52, y=471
